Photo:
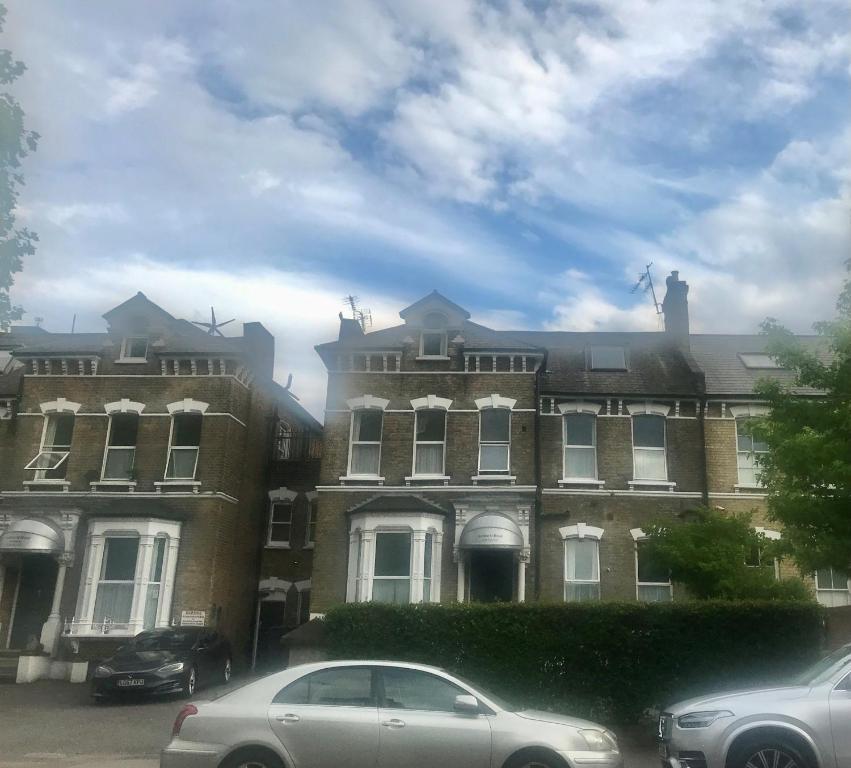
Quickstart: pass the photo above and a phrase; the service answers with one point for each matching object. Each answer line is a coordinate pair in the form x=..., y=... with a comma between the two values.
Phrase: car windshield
x=165, y=641
x=825, y=668
x=498, y=700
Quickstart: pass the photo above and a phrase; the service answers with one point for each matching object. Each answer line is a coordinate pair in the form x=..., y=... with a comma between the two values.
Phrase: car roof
x=317, y=665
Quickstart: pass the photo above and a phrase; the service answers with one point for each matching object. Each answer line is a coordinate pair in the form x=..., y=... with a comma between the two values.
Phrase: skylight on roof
x=608, y=358
x=758, y=360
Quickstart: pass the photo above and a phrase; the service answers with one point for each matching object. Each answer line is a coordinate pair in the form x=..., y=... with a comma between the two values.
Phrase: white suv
x=806, y=724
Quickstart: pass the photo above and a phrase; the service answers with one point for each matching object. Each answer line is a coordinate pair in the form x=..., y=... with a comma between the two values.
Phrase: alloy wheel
x=771, y=757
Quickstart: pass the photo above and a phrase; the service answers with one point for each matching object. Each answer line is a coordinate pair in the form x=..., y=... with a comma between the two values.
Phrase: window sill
x=739, y=487
x=130, y=485
x=510, y=479
x=309, y=545
x=433, y=357
x=64, y=485
x=633, y=484
x=581, y=481
x=277, y=545
x=195, y=485
x=361, y=479
x=131, y=360
x=444, y=479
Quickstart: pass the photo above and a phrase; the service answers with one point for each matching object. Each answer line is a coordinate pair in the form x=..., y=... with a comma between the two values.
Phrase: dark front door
x=35, y=595
x=491, y=576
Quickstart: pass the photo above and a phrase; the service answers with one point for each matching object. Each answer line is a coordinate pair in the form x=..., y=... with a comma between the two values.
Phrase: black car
x=165, y=661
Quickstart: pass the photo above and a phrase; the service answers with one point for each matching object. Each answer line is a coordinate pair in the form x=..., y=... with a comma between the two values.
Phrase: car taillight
x=188, y=709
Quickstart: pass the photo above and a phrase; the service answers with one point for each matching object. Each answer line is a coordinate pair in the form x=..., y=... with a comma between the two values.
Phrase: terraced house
x=136, y=471
x=463, y=463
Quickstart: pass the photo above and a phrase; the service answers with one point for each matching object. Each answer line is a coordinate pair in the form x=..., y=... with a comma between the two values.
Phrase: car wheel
x=191, y=682
x=252, y=758
x=768, y=753
x=226, y=671
x=535, y=758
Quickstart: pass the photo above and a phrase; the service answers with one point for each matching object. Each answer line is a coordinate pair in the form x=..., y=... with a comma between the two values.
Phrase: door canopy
x=491, y=531
x=35, y=536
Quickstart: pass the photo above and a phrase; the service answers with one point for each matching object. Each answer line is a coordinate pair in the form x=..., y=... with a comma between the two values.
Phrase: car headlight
x=599, y=741
x=702, y=719
x=104, y=671
x=169, y=669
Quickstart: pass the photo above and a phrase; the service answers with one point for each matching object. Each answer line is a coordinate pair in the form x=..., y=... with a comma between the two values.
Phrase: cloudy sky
x=525, y=158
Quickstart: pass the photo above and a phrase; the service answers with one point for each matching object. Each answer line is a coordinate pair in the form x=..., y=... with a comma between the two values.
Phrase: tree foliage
x=716, y=555
x=16, y=142
x=807, y=471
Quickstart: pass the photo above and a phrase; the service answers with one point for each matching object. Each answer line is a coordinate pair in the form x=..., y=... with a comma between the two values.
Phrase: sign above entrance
x=31, y=535
x=491, y=531
x=193, y=618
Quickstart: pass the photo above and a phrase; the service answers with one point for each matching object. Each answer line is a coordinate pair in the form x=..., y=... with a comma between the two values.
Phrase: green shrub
x=608, y=661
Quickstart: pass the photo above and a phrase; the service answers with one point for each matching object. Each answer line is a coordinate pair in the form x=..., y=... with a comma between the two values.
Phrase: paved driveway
x=53, y=724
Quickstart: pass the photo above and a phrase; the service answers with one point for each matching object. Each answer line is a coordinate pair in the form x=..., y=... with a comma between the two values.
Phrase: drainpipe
x=536, y=555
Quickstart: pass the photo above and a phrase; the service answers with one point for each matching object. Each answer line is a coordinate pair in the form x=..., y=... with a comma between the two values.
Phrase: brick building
x=464, y=463
x=135, y=468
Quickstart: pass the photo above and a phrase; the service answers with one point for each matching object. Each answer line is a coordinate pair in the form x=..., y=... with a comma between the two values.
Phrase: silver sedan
x=373, y=714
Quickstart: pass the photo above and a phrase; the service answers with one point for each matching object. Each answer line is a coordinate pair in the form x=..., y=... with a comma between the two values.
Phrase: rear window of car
x=338, y=687
x=167, y=641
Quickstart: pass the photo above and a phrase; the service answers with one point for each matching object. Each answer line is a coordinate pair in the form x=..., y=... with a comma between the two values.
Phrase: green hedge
x=608, y=661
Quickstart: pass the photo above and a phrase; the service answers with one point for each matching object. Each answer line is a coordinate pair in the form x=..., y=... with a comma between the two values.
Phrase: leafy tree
x=716, y=555
x=16, y=142
x=807, y=470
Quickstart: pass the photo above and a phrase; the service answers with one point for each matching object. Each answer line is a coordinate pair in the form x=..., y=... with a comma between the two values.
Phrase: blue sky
x=527, y=159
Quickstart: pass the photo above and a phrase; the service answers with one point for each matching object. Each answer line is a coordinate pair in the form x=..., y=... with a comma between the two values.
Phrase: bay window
x=120, y=446
x=648, y=441
x=430, y=442
x=365, y=447
x=129, y=576
x=51, y=463
x=395, y=558
x=494, y=440
x=184, y=446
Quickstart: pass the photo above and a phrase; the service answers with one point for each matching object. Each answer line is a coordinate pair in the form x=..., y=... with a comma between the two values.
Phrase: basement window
x=608, y=358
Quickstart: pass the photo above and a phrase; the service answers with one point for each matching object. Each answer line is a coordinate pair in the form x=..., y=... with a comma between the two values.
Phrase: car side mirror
x=466, y=704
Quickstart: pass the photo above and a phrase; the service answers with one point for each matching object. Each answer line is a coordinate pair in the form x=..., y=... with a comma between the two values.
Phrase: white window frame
x=353, y=443
x=649, y=409
x=442, y=443
x=567, y=477
x=365, y=526
x=742, y=413
x=444, y=340
x=62, y=450
x=126, y=343
x=196, y=448
x=638, y=535
x=283, y=503
x=506, y=443
x=108, y=448
x=146, y=530
x=581, y=531
x=826, y=595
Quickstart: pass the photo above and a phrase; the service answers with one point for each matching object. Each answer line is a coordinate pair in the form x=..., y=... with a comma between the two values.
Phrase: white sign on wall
x=193, y=618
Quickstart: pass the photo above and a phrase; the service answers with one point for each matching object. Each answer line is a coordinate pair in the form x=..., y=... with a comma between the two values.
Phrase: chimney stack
x=675, y=308
x=260, y=347
x=349, y=329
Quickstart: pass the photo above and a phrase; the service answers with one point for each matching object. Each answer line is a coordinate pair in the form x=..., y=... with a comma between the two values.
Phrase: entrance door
x=492, y=575
x=35, y=595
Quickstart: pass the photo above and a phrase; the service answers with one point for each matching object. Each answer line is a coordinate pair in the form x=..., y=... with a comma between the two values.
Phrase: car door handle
x=394, y=723
x=287, y=718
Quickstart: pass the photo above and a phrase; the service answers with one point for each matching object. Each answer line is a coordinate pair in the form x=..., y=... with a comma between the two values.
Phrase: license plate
x=131, y=683
x=663, y=750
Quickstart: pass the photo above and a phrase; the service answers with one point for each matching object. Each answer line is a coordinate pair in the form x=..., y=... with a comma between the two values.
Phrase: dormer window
x=433, y=339
x=608, y=358
x=759, y=360
x=134, y=349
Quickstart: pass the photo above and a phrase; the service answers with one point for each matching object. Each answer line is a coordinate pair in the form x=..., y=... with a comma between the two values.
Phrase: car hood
x=745, y=697
x=143, y=661
x=557, y=719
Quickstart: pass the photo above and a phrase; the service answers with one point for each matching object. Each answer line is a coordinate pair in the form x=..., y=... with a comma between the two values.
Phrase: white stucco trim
x=751, y=410
x=367, y=401
x=124, y=405
x=282, y=494
x=581, y=531
x=654, y=409
x=187, y=405
x=637, y=534
x=580, y=406
x=59, y=405
x=431, y=401
x=769, y=534
x=495, y=401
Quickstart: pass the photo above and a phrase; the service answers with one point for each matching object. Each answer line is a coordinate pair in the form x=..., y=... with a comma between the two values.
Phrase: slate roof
x=726, y=374
x=655, y=366
x=295, y=407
